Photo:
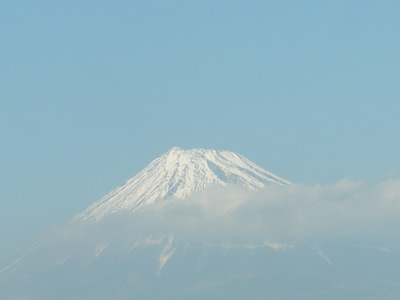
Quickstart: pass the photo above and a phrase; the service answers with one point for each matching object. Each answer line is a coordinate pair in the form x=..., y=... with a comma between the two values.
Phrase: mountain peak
x=175, y=149
x=179, y=173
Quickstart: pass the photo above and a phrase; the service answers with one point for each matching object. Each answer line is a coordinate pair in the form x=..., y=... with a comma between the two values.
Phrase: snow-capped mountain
x=262, y=245
x=179, y=173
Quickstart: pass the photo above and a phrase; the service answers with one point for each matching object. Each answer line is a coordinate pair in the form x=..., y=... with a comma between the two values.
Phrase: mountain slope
x=179, y=173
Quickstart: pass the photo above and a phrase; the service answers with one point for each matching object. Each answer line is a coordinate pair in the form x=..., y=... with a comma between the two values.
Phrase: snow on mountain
x=179, y=173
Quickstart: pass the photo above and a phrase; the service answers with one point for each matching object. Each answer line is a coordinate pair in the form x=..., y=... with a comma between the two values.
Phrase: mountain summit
x=179, y=173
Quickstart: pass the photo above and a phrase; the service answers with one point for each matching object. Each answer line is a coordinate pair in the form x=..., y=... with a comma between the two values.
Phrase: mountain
x=180, y=173
x=182, y=229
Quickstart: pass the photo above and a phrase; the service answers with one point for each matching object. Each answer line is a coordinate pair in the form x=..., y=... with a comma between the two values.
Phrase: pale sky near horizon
x=92, y=91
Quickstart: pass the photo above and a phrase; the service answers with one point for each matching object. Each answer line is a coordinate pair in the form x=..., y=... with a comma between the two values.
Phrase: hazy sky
x=92, y=91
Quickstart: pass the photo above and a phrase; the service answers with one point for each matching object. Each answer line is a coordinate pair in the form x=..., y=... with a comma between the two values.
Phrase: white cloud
x=345, y=209
x=275, y=217
x=287, y=227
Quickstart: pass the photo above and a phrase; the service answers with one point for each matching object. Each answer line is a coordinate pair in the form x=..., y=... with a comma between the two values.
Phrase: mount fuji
x=180, y=173
x=203, y=224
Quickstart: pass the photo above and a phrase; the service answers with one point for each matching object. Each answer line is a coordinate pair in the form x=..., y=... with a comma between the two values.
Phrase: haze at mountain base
x=284, y=241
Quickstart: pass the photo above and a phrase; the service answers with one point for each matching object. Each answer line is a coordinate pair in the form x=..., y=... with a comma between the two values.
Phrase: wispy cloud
x=276, y=218
x=297, y=212
x=280, y=224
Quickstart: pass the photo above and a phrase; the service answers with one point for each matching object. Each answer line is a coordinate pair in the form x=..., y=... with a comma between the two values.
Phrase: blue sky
x=92, y=91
